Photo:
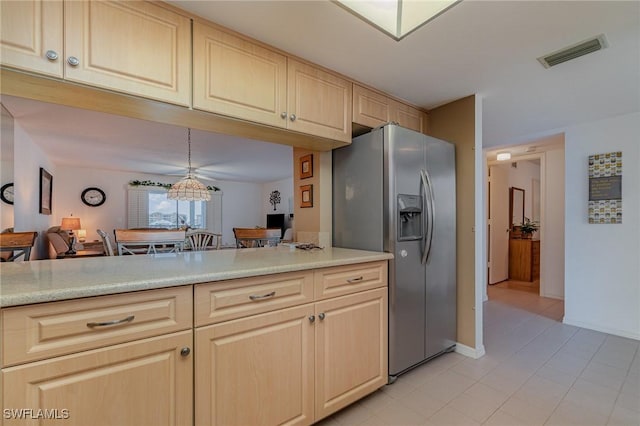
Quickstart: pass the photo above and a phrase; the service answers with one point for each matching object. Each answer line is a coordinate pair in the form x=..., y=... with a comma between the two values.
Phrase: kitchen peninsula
x=250, y=336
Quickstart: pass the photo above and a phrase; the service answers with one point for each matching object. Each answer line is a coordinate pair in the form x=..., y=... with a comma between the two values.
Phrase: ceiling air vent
x=574, y=51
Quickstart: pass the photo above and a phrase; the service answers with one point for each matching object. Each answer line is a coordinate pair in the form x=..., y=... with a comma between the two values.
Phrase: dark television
x=276, y=220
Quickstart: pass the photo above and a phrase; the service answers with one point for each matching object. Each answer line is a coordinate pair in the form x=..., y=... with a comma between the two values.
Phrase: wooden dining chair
x=17, y=244
x=131, y=241
x=203, y=240
x=256, y=237
x=106, y=243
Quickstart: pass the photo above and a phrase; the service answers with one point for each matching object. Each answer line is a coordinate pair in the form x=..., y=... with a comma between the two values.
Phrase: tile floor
x=537, y=371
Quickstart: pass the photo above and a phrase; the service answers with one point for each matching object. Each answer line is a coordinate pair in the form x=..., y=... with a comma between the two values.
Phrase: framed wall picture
x=306, y=196
x=306, y=166
x=46, y=191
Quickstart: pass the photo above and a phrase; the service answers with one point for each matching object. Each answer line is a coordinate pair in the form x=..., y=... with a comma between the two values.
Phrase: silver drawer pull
x=355, y=280
x=108, y=323
x=264, y=296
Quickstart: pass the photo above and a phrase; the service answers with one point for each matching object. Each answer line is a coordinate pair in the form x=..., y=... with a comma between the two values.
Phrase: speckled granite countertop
x=23, y=283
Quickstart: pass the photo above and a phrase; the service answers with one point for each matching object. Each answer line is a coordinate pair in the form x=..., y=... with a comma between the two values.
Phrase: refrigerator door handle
x=430, y=216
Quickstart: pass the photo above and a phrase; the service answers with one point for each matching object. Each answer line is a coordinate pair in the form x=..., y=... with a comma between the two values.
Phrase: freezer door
x=404, y=158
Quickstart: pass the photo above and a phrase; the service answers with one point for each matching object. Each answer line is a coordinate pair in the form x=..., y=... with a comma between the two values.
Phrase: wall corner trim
x=470, y=352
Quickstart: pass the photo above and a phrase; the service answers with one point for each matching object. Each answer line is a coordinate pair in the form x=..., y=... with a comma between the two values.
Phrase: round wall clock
x=93, y=197
x=6, y=193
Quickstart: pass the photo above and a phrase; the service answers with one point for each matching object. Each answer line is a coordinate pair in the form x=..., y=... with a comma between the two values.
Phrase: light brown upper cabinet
x=138, y=47
x=318, y=102
x=408, y=116
x=240, y=78
x=373, y=109
x=370, y=108
x=133, y=47
x=235, y=77
x=31, y=36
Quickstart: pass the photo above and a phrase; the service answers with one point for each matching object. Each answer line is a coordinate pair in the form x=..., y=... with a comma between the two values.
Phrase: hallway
x=524, y=295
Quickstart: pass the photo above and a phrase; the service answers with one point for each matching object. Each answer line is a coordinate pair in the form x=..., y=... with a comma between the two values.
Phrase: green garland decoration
x=163, y=185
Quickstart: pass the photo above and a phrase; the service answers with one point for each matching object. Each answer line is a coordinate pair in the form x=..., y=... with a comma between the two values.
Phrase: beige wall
x=313, y=224
x=455, y=122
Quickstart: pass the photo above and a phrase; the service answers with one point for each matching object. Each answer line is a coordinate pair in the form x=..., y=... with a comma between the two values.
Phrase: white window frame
x=138, y=208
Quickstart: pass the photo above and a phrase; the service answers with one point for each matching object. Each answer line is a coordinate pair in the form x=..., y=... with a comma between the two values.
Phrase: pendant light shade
x=189, y=188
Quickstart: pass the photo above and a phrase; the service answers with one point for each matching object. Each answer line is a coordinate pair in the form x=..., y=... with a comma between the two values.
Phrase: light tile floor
x=537, y=371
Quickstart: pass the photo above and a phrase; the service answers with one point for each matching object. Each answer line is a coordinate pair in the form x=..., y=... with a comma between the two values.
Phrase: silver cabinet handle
x=321, y=316
x=312, y=318
x=292, y=117
x=185, y=351
x=51, y=55
x=263, y=296
x=73, y=61
x=108, y=323
x=283, y=115
x=355, y=280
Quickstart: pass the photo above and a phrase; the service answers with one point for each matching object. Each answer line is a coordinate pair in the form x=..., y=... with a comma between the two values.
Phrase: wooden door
x=235, y=77
x=28, y=30
x=370, y=108
x=318, y=102
x=146, y=382
x=257, y=370
x=134, y=47
x=408, y=116
x=498, y=223
x=351, y=349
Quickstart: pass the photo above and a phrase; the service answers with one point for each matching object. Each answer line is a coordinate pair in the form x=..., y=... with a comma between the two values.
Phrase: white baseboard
x=597, y=327
x=465, y=350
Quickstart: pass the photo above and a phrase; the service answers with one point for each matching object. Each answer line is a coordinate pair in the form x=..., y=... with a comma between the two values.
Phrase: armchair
x=59, y=240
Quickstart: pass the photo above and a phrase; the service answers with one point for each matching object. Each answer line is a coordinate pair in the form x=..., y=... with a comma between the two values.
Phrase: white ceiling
x=483, y=47
x=91, y=139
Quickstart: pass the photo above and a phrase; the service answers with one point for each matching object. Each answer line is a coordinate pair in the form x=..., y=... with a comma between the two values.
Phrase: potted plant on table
x=527, y=228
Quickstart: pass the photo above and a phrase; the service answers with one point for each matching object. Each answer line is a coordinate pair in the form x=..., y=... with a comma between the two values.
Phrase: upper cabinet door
x=409, y=117
x=134, y=47
x=31, y=35
x=370, y=108
x=235, y=77
x=319, y=103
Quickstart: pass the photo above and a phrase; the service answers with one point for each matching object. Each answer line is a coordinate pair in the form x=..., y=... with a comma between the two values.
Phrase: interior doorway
x=540, y=195
x=514, y=200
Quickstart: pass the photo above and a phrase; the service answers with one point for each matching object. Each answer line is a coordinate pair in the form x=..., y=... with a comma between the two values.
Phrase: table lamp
x=71, y=224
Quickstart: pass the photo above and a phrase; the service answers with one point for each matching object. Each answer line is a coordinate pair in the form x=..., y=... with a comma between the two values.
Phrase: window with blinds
x=149, y=208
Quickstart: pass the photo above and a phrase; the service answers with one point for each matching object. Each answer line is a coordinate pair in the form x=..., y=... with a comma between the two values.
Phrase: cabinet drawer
x=46, y=330
x=145, y=382
x=217, y=302
x=340, y=280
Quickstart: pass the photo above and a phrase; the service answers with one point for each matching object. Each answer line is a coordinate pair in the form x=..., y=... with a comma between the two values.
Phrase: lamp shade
x=70, y=223
x=189, y=189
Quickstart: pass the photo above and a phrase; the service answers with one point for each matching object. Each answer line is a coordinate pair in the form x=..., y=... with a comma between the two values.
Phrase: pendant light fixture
x=189, y=188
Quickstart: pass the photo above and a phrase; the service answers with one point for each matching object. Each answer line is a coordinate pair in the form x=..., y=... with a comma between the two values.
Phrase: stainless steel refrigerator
x=394, y=191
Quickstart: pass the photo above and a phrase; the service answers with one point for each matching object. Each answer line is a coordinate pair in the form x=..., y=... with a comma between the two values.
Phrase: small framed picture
x=306, y=196
x=306, y=166
x=46, y=190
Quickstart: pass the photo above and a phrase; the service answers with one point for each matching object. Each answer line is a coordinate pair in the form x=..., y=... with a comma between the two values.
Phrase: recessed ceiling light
x=396, y=18
x=504, y=156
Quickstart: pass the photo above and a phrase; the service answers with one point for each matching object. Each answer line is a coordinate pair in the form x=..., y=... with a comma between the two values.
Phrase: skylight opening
x=396, y=18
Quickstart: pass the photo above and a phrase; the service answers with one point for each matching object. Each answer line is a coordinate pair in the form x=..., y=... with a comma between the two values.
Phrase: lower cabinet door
x=146, y=382
x=351, y=349
x=256, y=370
